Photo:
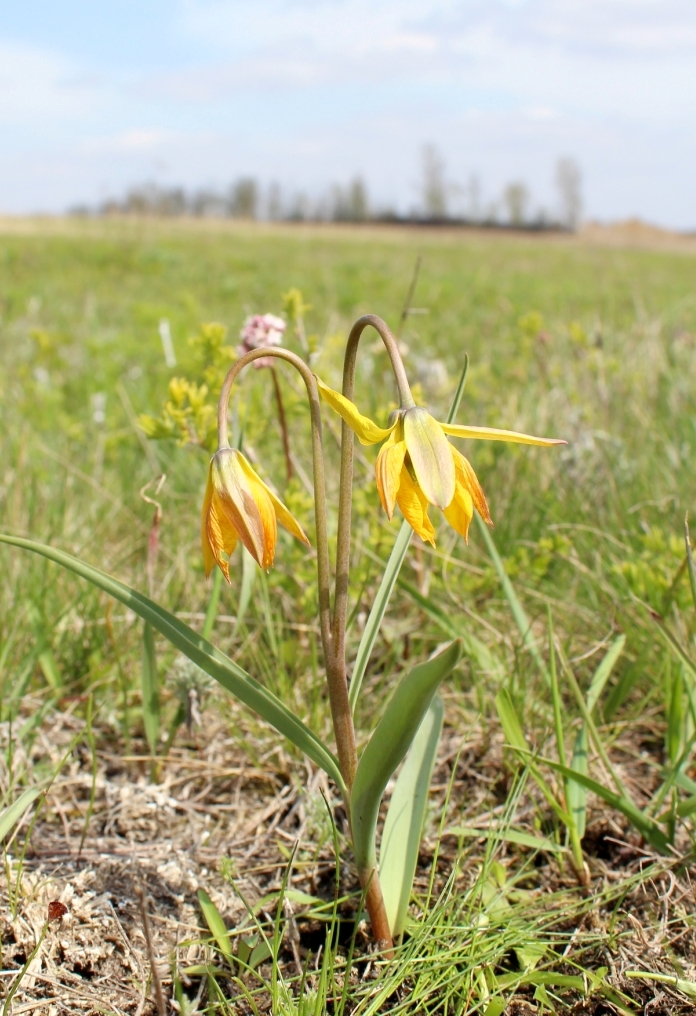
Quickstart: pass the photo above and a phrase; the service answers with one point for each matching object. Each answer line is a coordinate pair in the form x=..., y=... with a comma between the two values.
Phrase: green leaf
x=509, y=836
x=643, y=823
x=576, y=794
x=374, y=621
x=213, y=604
x=218, y=928
x=690, y=560
x=149, y=683
x=687, y=988
x=12, y=814
x=518, y=612
x=229, y=674
x=512, y=727
x=403, y=826
x=249, y=571
x=388, y=745
x=603, y=671
x=252, y=950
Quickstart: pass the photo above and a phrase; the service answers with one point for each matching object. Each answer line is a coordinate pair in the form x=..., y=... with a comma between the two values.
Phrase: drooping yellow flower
x=417, y=466
x=239, y=505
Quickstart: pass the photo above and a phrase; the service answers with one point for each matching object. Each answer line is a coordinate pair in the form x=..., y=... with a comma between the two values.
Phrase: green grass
x=595, y=345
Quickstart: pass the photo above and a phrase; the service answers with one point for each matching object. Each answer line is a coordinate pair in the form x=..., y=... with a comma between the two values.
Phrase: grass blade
x=213, y=604
x=576, y=793
x=603, y=671
x=643, y=823
x=227, y=673
x=512, y=728
x=389, y=743
x=249, y=570
x=509, y=836
x=374, y=621
x=218, y=928
x=690, y=560
x=11, y=815
x=403, y=826
x=149, y=683
x=518, y=612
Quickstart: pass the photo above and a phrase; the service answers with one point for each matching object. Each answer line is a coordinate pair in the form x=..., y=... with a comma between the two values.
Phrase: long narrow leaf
x=374, y=621
x=575, y=792
x=512, y=728
x=603, y=671
x=229, y=674
x=11, y=815
x=643, y=823
x=217, y=926
x=403, y=826
x=518, y=836
x=149, y=683
x=690, y=560
x=389, y=743
x=518, y=612
x=249, y=571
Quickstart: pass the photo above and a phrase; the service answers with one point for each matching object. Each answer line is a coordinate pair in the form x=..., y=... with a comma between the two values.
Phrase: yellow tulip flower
x=239, y=505
x=417, y=466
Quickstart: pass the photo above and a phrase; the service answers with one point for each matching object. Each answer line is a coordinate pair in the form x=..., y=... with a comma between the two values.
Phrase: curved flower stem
x=374, y=899
x=336, y=679
x=346, y=488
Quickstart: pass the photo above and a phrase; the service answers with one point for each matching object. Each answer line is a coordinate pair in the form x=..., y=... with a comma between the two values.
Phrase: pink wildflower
x=261, y=330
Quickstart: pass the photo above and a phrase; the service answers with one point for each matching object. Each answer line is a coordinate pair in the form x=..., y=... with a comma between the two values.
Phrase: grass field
x=594, y=344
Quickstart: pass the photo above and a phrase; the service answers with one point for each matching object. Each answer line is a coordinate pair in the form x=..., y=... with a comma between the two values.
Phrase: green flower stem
x=338, y=689
x=369, y=878
x=345, y=499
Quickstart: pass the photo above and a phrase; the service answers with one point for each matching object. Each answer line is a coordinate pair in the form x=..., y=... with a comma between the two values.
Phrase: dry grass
x=210, y=814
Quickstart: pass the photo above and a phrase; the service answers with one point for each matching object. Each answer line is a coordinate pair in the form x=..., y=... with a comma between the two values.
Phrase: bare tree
x=474, y=195
x=569, y=181
x=244, y=198
x=350, y=204
x=515, y=198
x=274, y=202
x=434, y=186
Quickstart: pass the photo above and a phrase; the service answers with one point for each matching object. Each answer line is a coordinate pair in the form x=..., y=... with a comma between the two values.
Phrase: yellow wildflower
x=239, y=505
x=417, y=466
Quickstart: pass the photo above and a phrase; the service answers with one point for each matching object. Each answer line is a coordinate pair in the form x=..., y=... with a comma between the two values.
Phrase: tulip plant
x=416, y=467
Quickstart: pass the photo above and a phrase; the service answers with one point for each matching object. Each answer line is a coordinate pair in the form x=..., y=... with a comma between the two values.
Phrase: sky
x=98, y=96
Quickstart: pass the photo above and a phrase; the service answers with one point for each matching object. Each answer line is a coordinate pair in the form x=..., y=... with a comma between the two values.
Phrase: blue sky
x=95, y=97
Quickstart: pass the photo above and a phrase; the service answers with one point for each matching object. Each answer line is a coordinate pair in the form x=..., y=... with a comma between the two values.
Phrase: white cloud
x=35, y=83
x=310, y=91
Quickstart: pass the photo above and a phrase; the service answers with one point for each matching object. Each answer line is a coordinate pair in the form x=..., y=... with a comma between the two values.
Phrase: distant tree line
x=441, y=201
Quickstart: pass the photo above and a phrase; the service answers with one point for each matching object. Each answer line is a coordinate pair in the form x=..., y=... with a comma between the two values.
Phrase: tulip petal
x=259, y=492
x=222, y=536
x=388, y=468
x=461, y=511
x=431, y=456
x=208, y=555
x=467, y=478
x=414, y=507
x=491, y=434
x=368, y=432
x=283, y=515
x=234, y=501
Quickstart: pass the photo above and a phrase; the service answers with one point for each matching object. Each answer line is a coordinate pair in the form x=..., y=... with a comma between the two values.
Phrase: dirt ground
x=214, y=821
